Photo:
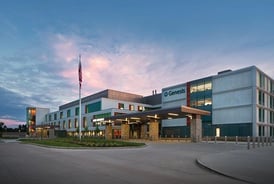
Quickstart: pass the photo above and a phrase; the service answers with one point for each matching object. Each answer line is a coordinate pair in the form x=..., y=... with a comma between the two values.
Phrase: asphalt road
x=156, y=163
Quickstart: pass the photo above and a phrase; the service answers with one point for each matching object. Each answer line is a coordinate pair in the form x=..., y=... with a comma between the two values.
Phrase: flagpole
x=80, y=81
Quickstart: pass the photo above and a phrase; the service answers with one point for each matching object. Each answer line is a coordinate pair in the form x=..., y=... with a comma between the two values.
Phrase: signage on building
x=172, y=94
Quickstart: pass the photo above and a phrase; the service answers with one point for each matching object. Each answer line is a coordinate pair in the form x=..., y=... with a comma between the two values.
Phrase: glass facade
x=104, y=115
x=265, y=107
x=31, y=120
x=175, y=132
x=201, y=98
x=93, y=107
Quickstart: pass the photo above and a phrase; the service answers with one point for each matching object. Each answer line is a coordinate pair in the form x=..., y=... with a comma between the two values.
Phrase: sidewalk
x=253, y=166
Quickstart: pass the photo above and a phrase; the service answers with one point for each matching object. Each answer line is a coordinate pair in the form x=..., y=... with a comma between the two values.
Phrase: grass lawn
x=70, y=142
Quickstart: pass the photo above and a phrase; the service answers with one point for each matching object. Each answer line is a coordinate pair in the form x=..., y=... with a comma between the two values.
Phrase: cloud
x=121, y=67
x=12, y=110
x=11, y=123
x=140, y=66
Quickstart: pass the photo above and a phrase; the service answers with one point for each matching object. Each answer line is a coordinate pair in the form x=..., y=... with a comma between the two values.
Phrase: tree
x=22, y=128
x=2, y=128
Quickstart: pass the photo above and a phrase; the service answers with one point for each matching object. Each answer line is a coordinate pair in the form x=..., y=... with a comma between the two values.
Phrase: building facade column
x=143, y=131
x=108, y=132
x=196, y=128
x=51, y=133
x=125, y=131
x=154, y=130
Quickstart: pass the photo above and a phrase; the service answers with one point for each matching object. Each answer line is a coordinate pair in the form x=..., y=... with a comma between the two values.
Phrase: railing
x=248, y=140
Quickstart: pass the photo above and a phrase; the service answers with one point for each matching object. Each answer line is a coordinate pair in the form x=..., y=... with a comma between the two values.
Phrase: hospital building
x=238, y=102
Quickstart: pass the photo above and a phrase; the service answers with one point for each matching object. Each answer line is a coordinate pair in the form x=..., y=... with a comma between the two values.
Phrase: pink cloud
x=126, y=69
x=138, y=67
x=11, y=123
x=65, y=47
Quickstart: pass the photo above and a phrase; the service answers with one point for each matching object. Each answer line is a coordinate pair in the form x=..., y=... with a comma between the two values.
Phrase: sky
x=128, y=45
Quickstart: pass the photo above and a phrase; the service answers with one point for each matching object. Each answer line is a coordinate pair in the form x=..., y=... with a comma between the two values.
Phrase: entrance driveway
x=155, y=163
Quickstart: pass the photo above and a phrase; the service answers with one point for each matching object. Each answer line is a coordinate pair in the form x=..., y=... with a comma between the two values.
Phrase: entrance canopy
x=158, y=114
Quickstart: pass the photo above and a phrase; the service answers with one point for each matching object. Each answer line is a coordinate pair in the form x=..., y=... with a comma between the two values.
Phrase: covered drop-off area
x=146, y=124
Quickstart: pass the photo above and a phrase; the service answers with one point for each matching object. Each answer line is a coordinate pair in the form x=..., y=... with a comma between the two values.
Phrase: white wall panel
x=40, y=115
x=232, y=98
x=233, y=115
x=232, y=82
x=109, y=103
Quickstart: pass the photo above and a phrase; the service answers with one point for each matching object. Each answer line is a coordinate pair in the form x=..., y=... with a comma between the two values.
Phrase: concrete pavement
x=253, y=166
x=155, y=163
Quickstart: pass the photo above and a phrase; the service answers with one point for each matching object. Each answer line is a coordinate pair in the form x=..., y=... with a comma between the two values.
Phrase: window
x=208, y=101
x=100, y=116
x=201, y=87
x=84, y=122
x=68, y=113
x=76, y=111
x=208, y=85
x=193, y=88
x=201, y=102
x=271, y=118
x=193, y=103
x=261, y=80
x=76, y=123
x=64, y=124
x=61, y=114
x=131, y=107
x=93, y=107
x=271, y=104
x=50, y=117
x=140, y=108
x=121, y=106
x=261, y=98
x=55, y=116
x=261, y=115
x=69, y=123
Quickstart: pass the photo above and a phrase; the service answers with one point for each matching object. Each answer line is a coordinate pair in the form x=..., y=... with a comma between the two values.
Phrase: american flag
x=80, y=72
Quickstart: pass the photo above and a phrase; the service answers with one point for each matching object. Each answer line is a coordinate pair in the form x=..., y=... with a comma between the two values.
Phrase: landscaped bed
x=70, y=142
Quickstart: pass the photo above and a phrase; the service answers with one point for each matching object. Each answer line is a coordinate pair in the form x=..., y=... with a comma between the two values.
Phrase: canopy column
x=125, y=131
x=108, y=132
x=154, y=130
x=143, y=131
x=196, y=128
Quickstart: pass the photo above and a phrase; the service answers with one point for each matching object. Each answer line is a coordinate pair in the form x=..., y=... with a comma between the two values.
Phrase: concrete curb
x=83, y=148
x=203, y=165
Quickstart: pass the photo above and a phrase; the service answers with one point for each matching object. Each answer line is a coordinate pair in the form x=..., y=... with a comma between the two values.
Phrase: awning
x=164, y=113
